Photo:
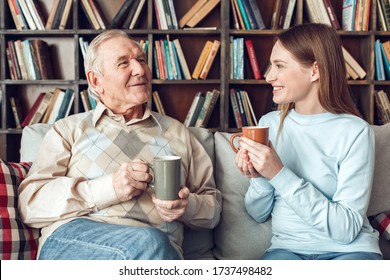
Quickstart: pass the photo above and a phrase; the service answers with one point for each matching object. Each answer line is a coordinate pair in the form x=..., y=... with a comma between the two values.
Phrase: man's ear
x=315, y=73
x=93, y=80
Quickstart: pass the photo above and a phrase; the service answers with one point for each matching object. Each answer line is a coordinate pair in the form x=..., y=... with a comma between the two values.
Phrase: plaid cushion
x=17, y=241
x=381, y=223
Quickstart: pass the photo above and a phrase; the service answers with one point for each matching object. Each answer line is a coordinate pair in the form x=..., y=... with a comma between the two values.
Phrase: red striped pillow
x=381, y=223
x=17, y=241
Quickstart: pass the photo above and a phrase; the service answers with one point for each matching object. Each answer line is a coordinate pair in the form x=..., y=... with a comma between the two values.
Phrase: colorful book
x=253, y=59
x=193, y=112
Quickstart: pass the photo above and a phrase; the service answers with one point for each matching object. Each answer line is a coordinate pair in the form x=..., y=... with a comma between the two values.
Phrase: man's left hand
x=171, y=210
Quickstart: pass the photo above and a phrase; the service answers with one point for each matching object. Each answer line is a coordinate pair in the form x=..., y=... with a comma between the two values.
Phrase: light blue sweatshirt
x=319, y=200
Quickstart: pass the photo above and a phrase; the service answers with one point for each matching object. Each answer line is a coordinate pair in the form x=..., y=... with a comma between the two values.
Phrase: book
x=239, y=15
x=379, y=68
x=56, y=106
x=386, y=48
x=50, y=18
x=158, y=103
x=202, y=12
x=202, y=59
x=98, y=14
x=332, y=14
x=253, y=59
x=193, y=112
x=207, y=108
x=41, y=109
x=210, y=59
x=120, y=15
x=15, y=15
x=137, y=14
x=33, y=109
x=386, y=63
x=35, y=14
x=191, y=12
x=44, y=59
x=85, y=100
x=366, y=15
x=171, y=6
x=66, y=104
x=12, y=70
x=182, y=60
x=27, y=14
x=166, y=12
x=244, y=11
x=65, y=15
x=252, y=112
x=34, y=56
x=238, y=58
x=348, y=15
x=254, y=7
x=21, y=59
x=354, y=64
x=381, y=16
x=28, y=60
x=241, y=107
x=90, y=15
x=276, y=14
x=11, y=47
x=235, y=16
x=58, y=14
x=235, y=109
x=49, y=109
x=16, y=111
x=130, y=14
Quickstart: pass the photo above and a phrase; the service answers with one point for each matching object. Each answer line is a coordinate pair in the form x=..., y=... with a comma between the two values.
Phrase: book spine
x=53, y=10
x=43, y=104
x=257, y=14
x=236, y=112
x=210, y=59
x=183, y=62
x=205, y=115
x=203, y=12
x=348, y=15
x=202, y=59
x=190, y=13
x=332, y=14
x=245, y=16
x=253, y=59
x=137, y=14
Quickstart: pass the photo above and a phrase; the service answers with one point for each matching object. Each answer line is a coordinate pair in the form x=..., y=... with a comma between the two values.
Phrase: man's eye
x=123, y=63
x=141, y=60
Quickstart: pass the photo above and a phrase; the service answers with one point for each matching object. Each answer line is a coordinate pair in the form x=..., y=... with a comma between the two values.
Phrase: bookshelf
x=176, y=95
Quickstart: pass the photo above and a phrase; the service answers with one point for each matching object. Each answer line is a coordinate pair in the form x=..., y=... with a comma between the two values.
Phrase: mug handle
x=234, y=136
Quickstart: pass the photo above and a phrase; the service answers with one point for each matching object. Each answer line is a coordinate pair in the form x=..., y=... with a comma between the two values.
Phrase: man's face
x=125, y=79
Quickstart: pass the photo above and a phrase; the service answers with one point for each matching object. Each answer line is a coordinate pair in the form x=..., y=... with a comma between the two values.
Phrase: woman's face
x=293, y=82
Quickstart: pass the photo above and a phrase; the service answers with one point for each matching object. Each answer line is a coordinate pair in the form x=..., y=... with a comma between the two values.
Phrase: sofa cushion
x=380, y=196
x=381, y=223
x=197, y=244
x=17, y=241
x=237, y=236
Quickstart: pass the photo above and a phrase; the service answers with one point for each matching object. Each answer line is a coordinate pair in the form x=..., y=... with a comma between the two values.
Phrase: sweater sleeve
x=340, y=217
x=259, y=199
x=47, y=194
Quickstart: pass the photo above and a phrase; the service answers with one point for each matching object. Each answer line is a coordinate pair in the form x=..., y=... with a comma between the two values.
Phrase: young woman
x=314, y=178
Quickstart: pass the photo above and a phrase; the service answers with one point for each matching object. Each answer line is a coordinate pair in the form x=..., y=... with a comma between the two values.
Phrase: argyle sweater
x=72, y=175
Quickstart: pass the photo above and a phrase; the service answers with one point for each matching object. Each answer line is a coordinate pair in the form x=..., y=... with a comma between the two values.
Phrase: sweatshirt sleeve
x=259, y=199
x=340, y=217
x=47, y=194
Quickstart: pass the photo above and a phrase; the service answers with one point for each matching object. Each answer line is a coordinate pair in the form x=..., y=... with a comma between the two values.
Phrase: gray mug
x=167, y=177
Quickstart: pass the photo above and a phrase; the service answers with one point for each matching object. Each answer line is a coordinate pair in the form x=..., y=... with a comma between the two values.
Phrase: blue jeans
x=83, y=239
x=279, y=254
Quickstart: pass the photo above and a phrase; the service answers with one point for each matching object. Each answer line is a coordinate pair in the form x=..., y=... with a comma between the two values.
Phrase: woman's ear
x=93, y=80
x=315, y=73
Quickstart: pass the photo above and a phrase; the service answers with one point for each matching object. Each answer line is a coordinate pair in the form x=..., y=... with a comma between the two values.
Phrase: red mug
x=256, y=133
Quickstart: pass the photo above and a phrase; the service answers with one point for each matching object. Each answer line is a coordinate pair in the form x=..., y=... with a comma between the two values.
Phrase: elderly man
x=88, y=189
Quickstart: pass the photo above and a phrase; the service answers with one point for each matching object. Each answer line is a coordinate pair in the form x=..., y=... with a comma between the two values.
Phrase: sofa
x=237, y=236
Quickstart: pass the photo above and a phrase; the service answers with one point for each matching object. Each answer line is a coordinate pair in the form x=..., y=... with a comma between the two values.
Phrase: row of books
x=282, y=14
x=165, y=14
x=322, y=11
x=237, y=58
x=197, y=13
x=356, y=15
x=384, y=14
x=47, y=108
x=201, y=108
x=29, y=59
x=243, y=112
x=246, y=15
x=382, y=60
x=27, y=14
x=127, y=16
x=88, y=102
x=382, y=106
